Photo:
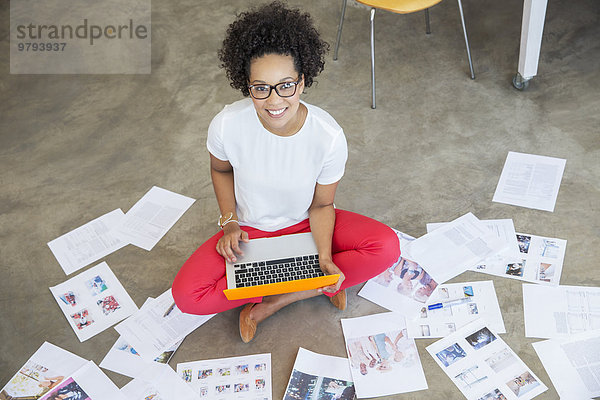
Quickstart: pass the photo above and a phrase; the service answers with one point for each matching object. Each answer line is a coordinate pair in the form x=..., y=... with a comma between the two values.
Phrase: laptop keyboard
x=273, y=271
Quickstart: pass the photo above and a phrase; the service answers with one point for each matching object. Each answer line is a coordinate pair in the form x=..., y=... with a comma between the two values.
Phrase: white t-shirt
x=275, y=176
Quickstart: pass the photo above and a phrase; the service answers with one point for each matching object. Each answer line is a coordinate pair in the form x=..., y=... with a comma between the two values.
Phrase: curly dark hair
x=272, y=29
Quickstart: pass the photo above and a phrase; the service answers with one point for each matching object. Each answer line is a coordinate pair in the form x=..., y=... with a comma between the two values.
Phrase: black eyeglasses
x=284, y=89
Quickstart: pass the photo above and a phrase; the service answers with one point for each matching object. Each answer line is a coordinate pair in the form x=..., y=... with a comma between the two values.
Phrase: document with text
x=554, y=312
x=454, y=247
x=157, y=327
x=152, y=217
x=124, y=359
x=505, y=230
x=88, y=243
x=573, y=364
x=530, y=181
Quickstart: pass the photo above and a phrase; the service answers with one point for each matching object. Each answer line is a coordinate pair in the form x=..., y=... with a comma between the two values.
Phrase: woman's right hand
x=228, y=246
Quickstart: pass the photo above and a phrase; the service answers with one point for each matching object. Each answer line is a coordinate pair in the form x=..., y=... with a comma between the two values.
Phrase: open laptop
x=276, y=265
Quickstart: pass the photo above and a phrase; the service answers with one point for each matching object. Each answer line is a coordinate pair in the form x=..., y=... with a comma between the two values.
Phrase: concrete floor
x=74, y=147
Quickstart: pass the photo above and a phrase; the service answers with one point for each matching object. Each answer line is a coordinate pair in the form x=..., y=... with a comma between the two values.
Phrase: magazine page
x=44, y=370
x=87, y=383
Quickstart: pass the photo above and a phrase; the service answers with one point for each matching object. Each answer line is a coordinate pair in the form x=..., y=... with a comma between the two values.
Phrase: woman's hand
x=228, y=245
x=329, y=268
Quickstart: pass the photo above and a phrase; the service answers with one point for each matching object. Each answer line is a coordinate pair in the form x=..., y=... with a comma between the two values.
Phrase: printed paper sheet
x=404, y=287
x=383, y=360
x=453, y=305
x=240, y=378
x=320, y=376
x=483, y=366
x=93, y=301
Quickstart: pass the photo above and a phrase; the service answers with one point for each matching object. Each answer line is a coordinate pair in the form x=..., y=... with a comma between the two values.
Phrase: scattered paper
x=159, y=326
x=162, y=384
x=88, y=243
x=554, y=312
x=404, y=287
x=93, y=301
x=530, y=181
x=505, y=230
x=240, y=378
x=573, y=364
x=482, y=365
x=317, y=376
x=124, y=359
x=383, y=359
x=45, y=369
x=151, y=217
x=541, y=261
x=454, y=305
x=87, y=383
x=455, y=247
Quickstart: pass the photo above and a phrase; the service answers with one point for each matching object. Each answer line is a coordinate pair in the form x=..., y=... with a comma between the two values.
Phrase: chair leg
x=339, y=33
x=373, y=55
x=462, y=20
x=427, y=27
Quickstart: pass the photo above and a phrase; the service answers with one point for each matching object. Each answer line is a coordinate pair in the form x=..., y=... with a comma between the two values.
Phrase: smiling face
x=282, y=116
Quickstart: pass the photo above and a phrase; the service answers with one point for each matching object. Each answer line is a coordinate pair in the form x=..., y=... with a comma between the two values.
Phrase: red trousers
x=362, y=248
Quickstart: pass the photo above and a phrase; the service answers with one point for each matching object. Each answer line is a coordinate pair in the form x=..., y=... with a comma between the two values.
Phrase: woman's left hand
x=329, y=268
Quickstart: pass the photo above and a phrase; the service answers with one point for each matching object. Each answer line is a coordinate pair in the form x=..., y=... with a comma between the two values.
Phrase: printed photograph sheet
x=240, y=378
x=454, y=305
x=93, y=301
x=540, y=261
x=318, y=376
x=483, y=366
x=404, y=287
x=383, y=360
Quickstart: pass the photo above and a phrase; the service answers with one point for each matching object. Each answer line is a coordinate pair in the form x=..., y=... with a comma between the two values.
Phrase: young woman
x=275, y=163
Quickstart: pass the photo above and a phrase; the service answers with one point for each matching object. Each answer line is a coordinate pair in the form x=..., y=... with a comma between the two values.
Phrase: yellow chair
x=400, y=7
